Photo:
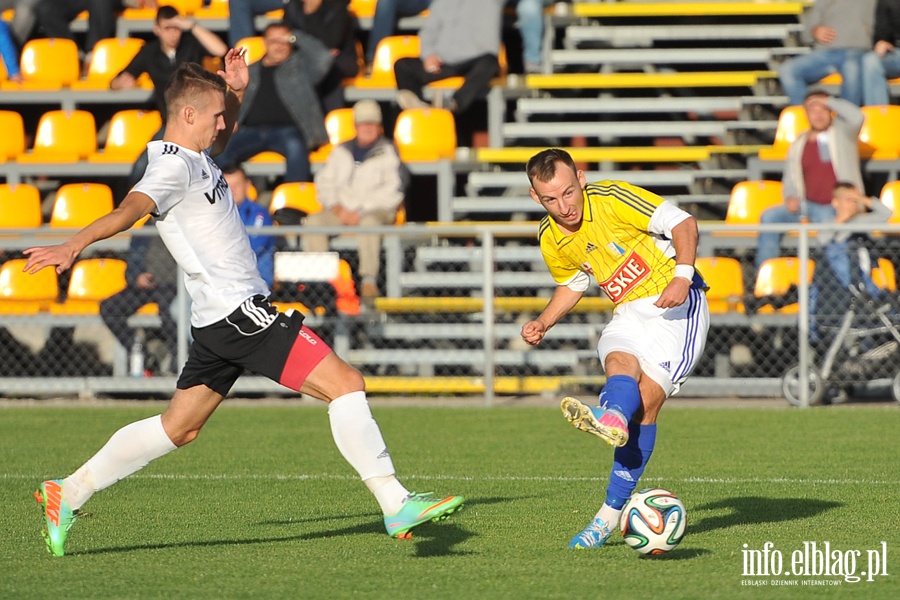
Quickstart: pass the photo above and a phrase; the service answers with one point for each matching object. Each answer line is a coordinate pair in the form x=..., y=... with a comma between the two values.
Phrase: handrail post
x=487, y=248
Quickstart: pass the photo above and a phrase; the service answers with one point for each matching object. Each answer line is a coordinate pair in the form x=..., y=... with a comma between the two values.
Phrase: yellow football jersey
x=613, y=243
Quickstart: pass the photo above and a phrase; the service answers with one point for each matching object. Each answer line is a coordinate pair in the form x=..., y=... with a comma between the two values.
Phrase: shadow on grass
x=679, y=554
x=755, y=509
x=431, y=540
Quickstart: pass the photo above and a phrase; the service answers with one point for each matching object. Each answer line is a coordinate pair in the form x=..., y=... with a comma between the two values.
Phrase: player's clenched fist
x=533, y=332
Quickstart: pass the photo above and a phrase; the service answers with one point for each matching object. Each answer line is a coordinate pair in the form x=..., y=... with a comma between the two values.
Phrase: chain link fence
x=453, y=300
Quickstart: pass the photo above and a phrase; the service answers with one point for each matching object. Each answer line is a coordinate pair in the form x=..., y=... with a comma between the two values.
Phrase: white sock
x=389, y=492
x=129, y=449
x=610, y=516
x=359, y=440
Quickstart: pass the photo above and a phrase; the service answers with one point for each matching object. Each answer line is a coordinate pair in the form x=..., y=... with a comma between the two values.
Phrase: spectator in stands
x=840, y=31
x=883, y=62
x=241, y=16
x=253, y=215
x=178, y=40
x=280, y=112
x=384, y=23
x=329, y=22
x=54, y=16
x=10, y=54
x=362, y=184
x=23, y=20
x=459, y=38
x=151, y=277
x=820, y=157
x=530, y=14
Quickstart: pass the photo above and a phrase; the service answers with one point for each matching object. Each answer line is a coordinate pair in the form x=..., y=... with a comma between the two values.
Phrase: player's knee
x=622, y=363
x=352, y=378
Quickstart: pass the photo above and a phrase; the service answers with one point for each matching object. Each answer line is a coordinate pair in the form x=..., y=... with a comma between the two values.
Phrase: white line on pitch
x=536, y=478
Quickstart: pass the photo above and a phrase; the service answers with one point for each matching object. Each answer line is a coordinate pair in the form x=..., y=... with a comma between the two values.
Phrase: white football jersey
x=200, y=225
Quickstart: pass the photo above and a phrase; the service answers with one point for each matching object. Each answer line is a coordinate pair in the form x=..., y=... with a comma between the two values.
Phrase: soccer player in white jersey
x=233, y=324
x=641, y=250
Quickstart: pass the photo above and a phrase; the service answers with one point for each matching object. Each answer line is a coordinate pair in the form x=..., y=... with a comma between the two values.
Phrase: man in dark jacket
x=330, y=23
x=151, y=276
x=280, y=112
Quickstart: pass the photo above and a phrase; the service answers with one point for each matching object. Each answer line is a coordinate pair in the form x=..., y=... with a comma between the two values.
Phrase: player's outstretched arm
x=237, y=77
x=685, y=236
x=135, y=206
x=564, y=298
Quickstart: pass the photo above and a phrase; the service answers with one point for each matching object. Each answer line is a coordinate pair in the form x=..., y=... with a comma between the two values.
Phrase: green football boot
x=418, y=509
x=58, y=517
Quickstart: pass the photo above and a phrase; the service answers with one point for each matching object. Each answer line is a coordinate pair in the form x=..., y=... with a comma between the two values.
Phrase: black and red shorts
x=257, y=338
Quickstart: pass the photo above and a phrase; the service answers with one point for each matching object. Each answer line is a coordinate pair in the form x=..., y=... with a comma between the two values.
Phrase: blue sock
x=622, y=393
x=629, y=462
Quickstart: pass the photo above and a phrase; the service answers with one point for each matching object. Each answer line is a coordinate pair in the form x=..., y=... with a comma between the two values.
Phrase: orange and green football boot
x=58, y=517
x=418, y=509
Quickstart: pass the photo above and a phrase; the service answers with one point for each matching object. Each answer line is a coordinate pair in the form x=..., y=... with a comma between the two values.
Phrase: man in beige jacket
x=362, y=184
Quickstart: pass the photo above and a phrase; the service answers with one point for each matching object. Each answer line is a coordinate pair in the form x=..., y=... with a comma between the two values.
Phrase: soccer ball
x=653, y=521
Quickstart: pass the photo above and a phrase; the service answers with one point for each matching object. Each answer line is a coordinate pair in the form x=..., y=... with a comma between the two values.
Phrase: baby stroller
x=854, y=327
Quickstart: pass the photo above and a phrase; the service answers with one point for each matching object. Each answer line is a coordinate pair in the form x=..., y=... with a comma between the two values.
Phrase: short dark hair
x=542, y=166
x=843, y=185
x=235, y=168
x=815, y=92
x=166, y=11
x=277, y=25
x=189, y=81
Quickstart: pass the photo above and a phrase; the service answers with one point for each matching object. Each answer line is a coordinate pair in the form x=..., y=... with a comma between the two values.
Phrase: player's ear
x=582, y=180
x=534, y=195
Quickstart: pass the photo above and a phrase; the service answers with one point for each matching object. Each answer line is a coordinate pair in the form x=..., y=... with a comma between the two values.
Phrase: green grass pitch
x=263, y=506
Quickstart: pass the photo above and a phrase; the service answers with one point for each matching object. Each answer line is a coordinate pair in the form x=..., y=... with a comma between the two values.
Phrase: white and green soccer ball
x=653, y=521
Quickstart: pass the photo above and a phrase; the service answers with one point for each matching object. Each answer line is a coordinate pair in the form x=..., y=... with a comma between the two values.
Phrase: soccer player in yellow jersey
x=641, y=250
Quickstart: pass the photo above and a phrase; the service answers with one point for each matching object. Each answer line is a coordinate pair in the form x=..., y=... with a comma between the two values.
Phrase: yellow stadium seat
x=109, y=57
x=890, y=197
x=425, y=134
x=300, y=196
x=749, y=199
x=20, y=206
x=48, y=64
x=129, y=132
x=363, y=9
x=791, y=123
x=725, y=279
x=63, y=136
x=878, y=137
x=23, y=293
x=93, y=280
x=12, y=142
x=79, y=204
x=775, y=278
x=884, y=275
x=340, y=127
x=387, y=52
x=255, y=46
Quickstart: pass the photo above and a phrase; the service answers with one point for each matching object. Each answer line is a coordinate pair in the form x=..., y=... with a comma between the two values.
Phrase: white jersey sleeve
x=165, y=181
